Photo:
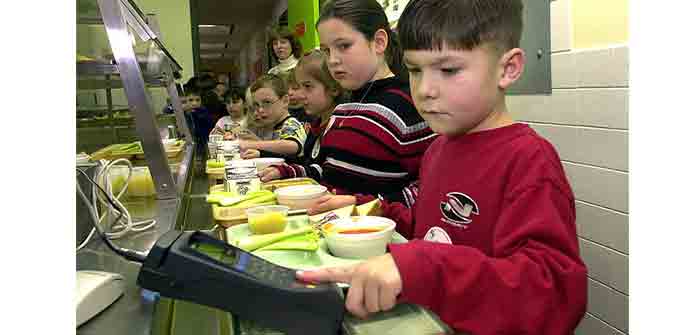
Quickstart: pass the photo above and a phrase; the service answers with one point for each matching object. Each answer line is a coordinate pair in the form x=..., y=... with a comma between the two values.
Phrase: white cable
x=125, y=224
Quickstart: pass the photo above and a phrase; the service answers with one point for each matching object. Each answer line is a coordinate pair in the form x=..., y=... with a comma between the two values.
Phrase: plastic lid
x=301, y=192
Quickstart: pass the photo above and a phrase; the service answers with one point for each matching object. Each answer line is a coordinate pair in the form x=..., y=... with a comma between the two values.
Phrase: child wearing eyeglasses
x=269, y=105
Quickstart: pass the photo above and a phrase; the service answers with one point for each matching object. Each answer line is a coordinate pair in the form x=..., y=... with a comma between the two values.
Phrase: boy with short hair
x=270, y=101
x=200, y=120
x=495, y=248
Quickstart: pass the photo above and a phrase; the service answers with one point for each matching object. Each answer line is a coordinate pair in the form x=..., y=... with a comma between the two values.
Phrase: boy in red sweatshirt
x=494, y=247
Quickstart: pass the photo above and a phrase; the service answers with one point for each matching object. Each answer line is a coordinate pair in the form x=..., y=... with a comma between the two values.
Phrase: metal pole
x=110, y=108
x=179, y=113
x=139, y=101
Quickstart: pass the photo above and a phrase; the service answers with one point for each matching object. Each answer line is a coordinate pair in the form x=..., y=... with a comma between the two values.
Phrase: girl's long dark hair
x=367, y=16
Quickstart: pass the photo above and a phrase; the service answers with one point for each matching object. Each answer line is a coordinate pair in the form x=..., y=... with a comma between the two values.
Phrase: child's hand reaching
x=374, y=284
x=269, y=173
x=250, y=154
x=331, y=202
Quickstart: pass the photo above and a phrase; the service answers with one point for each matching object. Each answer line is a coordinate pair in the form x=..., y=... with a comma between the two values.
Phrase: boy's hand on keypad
x=374, y=284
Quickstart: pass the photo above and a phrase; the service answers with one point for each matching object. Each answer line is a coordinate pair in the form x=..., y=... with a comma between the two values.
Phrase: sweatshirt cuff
x=416, y=273
x=282, y=171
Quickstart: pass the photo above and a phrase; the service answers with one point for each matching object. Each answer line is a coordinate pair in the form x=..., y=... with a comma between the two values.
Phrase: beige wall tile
x=603, y=226
x=602, y=67
x=599, y=186
x=528, y=107
x=593, y=146
x=606, y=265
x=608, y=305
x=590, y=325
x=602, y=147
x=607, y=107
x=563, y=107
x=564, y=70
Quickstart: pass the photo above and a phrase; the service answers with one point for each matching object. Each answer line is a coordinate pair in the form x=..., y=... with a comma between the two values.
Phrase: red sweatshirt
x=496, y=250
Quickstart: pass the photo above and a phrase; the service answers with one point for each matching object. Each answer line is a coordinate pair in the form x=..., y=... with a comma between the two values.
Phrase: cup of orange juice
x=267, y=219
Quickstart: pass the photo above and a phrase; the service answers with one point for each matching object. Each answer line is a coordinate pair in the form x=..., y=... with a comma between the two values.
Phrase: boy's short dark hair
x=233, y=95
x=461, y=24
x=271, y=81
x=193, y=91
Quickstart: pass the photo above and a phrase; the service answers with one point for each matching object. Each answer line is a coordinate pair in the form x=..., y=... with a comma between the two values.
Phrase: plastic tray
x=275, y=184
x=403, y=319
x=297, y=259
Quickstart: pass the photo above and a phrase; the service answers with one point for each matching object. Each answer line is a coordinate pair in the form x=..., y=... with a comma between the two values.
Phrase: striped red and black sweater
x=371, y=147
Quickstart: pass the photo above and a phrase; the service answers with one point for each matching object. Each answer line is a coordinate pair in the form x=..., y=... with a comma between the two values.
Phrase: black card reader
x=196, y=267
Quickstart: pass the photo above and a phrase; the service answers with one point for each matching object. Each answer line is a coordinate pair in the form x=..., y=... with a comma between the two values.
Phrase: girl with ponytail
x=373, y=145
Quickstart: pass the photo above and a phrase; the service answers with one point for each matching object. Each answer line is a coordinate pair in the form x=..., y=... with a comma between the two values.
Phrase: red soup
x=359, y=231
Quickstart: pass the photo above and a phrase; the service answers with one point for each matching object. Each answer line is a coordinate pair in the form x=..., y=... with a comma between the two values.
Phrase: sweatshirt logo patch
x=437, y=234
x=457, y=209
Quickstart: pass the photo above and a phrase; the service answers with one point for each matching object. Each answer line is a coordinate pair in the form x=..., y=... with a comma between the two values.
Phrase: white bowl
x=299, y=196
x=358, y=245
x=262, y=163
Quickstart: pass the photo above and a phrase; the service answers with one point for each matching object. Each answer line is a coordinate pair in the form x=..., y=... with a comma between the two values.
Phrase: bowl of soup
x=358, y=237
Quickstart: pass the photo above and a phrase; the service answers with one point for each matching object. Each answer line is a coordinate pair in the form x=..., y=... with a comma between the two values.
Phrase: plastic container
x=358, y=237
x=267, y=219
x=300, y=196
x=141, y=183
x=117, y=177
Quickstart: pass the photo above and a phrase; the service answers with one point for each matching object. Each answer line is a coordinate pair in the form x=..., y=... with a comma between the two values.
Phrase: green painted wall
x=305, y=11
x=174, y=21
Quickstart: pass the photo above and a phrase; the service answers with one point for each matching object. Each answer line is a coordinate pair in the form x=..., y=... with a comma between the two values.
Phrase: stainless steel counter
x=131, y=314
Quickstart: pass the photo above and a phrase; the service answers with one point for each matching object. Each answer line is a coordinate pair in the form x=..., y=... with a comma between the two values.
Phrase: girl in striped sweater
x=372, y=146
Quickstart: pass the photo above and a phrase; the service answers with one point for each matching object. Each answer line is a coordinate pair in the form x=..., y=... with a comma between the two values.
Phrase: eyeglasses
x=264, y=104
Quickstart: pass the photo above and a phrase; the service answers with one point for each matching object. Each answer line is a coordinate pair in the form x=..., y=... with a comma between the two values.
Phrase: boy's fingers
x=372, y=296
x=335, y=275
x=320, y=205
x=387, y=299
x=355, y=300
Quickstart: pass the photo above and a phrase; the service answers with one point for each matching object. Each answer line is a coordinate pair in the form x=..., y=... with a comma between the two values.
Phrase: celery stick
x=257, y=200
x=306, y=242
x=250, y=243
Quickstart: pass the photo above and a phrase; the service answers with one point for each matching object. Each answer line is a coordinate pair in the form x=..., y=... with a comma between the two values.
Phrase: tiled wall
x=586, y=118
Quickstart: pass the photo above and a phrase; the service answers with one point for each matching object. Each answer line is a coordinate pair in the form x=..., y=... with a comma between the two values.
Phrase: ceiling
x=225, y=27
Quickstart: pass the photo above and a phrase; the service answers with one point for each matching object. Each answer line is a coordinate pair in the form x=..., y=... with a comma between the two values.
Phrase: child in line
x=296, y=100
x=494, y=247
x=322, y=93
x=200, y=121
x=235, y=118
x=374, y=143
x=270, y=101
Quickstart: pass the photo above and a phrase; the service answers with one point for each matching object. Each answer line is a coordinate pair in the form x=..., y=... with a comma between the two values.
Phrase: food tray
x=275, y=184
x=298, y=259
x=403, y=319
